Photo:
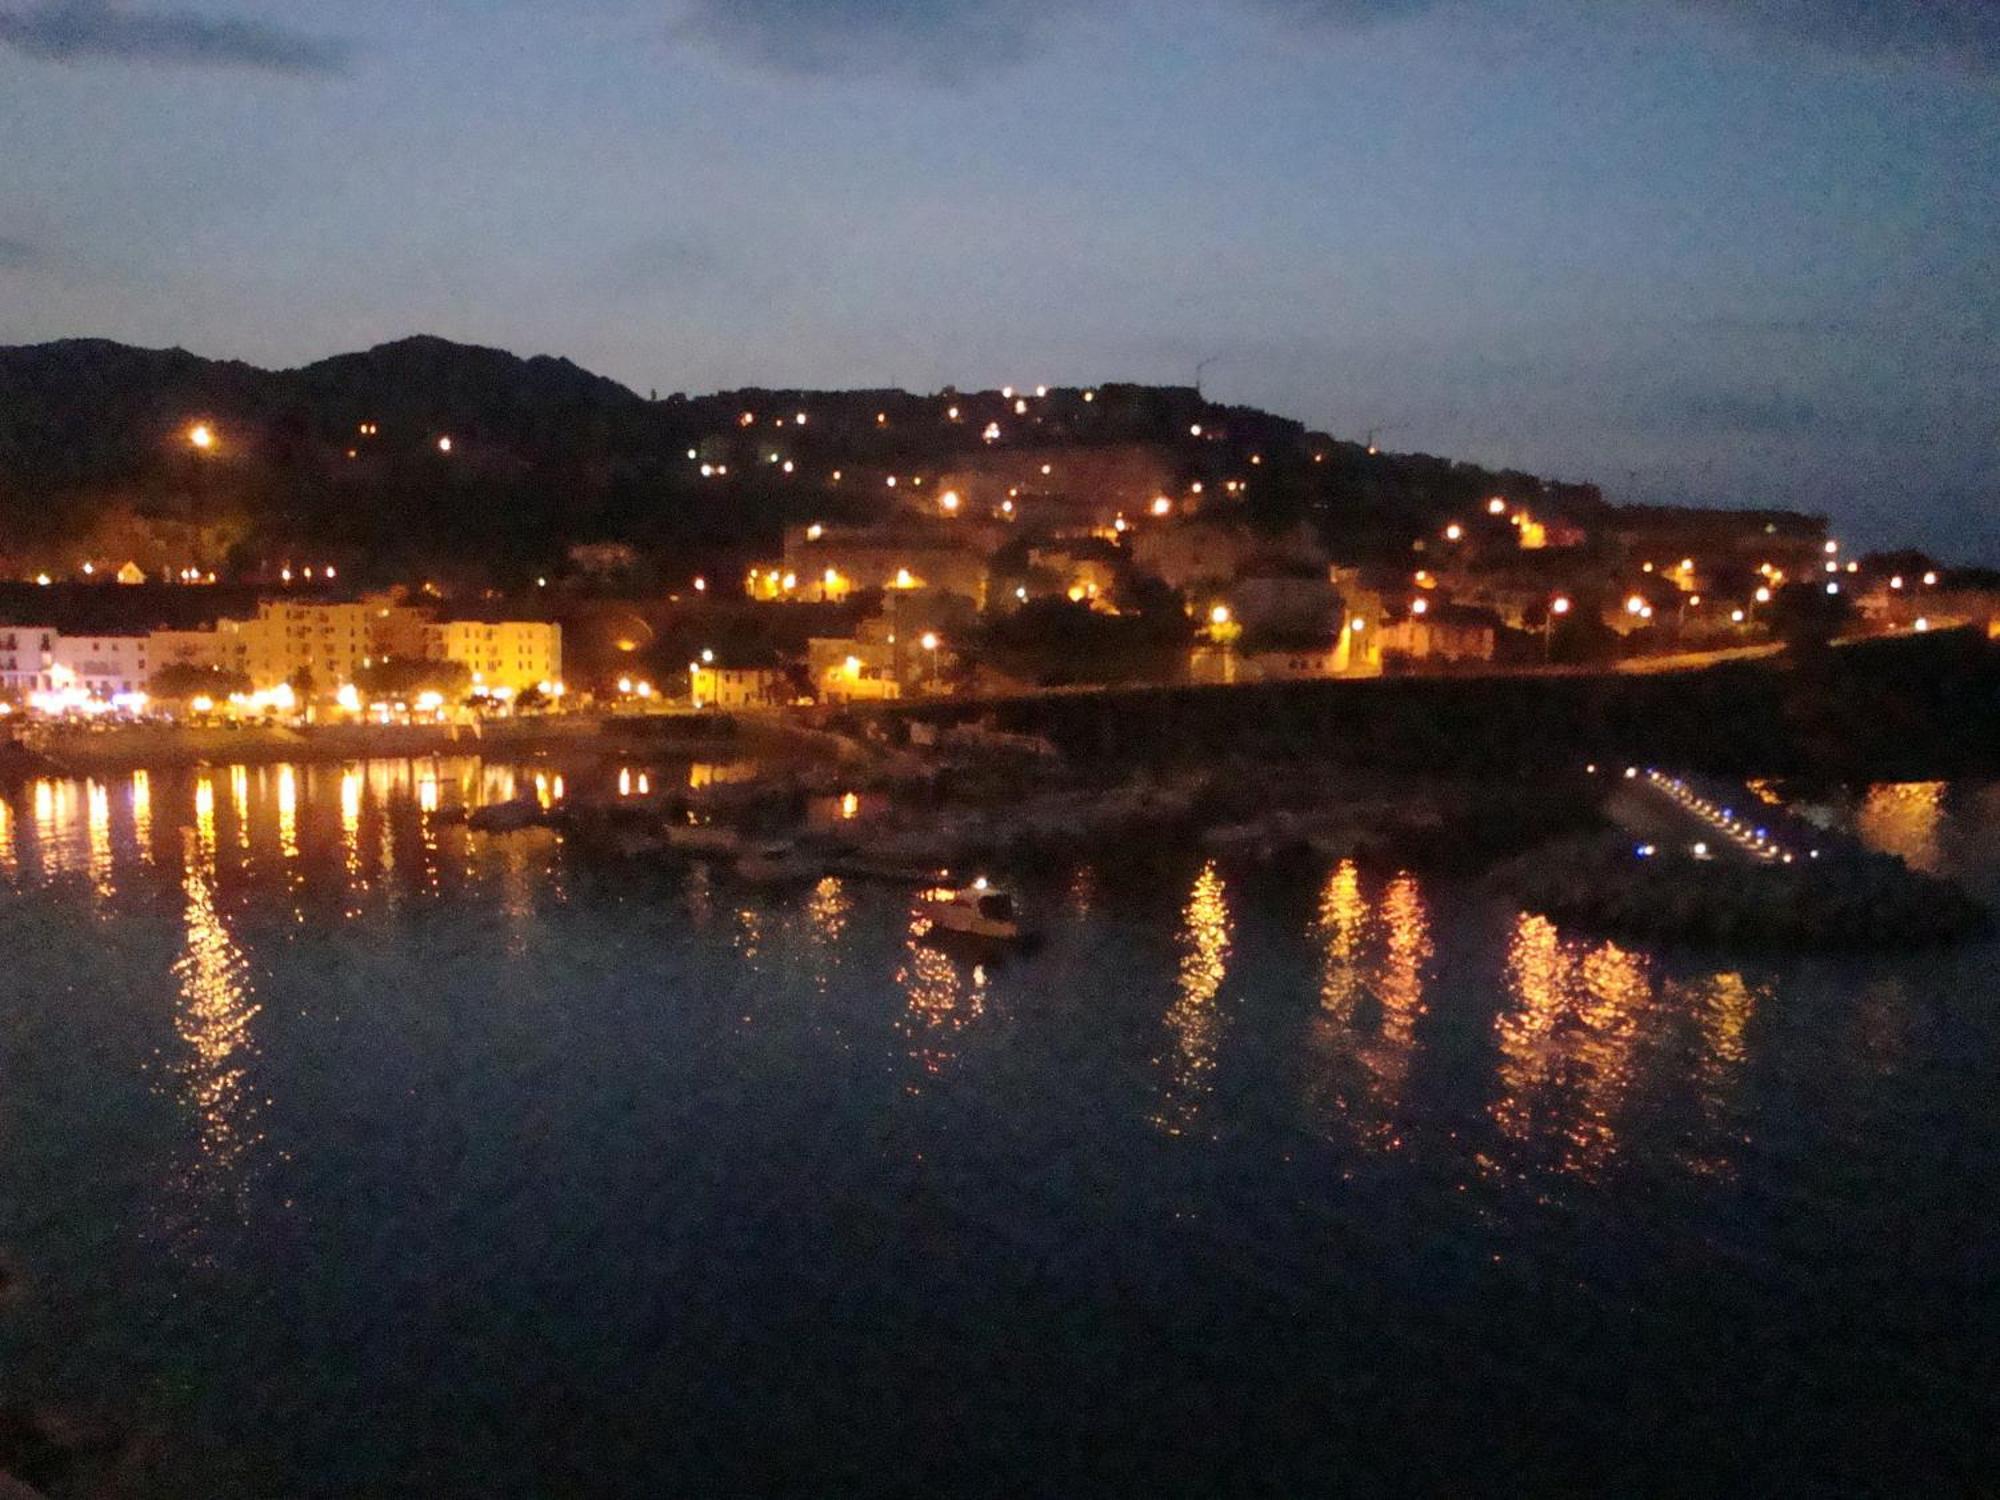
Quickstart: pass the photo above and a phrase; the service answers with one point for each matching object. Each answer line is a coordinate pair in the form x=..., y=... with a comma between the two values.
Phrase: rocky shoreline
x=1008, y=804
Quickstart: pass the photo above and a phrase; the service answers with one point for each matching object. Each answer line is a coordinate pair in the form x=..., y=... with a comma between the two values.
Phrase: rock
x=505, y=817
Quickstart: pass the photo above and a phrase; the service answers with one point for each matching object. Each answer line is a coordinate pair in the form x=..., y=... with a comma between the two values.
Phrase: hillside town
x=875, y=547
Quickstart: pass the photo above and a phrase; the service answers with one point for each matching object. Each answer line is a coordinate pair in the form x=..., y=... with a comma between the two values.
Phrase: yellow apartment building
x=512, y=654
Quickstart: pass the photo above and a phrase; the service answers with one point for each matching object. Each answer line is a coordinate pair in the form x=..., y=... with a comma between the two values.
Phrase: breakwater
x=1851, y=899
x=1909, y=708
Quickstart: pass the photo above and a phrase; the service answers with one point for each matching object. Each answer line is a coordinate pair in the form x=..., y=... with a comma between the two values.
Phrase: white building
x=26, y=654
x=104, y=666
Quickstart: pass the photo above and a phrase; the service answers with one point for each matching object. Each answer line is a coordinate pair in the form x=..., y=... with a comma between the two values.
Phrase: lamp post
x=1560, y=605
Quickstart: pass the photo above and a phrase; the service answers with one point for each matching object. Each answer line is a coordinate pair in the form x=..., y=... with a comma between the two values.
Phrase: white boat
x=775, y=864
x=976, y=911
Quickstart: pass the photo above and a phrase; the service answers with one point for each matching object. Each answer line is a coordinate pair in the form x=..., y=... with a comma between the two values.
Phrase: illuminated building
x=104, y=666
x=287, y=639
x=509, y=654
x=328, y=642
x=853, y=670
x=26, y=654
x=216, y=649
x=1441, y=632
x=831, y=562
x=717, y=686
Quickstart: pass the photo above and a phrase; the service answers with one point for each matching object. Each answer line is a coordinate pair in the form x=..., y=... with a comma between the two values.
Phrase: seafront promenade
x=45, y=751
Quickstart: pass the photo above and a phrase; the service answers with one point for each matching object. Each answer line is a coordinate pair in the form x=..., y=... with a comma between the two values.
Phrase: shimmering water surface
x=344, y=1152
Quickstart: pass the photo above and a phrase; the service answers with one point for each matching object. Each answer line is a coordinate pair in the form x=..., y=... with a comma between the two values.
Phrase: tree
x=1806, y=617
x=184, y=681
x=1142, y=593
x=406, y=677
x=1055, y=641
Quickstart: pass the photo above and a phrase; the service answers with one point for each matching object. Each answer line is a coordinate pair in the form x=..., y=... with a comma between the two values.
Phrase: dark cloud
x=18, y=255
x=667, y=262
x=1762, y=413
x=946, y=39
x=943, y=39
x=1962, y=35
x=950, y=39
x=760, y=263
x=101, y=30
x=1349, y=12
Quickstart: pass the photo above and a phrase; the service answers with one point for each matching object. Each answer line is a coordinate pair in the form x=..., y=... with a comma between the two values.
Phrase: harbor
x=282, y=1040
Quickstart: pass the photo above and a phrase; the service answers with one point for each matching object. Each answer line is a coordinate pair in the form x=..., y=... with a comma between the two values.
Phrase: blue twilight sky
x=1724, y=250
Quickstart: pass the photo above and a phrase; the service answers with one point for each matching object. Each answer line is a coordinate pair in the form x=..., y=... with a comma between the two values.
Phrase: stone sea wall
x=1902, y=709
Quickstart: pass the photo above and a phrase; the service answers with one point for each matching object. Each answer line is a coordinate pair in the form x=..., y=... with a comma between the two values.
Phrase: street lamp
x=1560, y=605
x=201, y=437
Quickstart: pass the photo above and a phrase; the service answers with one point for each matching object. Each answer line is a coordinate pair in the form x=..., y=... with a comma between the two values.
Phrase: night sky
x=1731, y=251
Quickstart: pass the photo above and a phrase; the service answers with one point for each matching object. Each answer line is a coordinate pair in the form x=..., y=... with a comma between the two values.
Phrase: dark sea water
x=343, y=1152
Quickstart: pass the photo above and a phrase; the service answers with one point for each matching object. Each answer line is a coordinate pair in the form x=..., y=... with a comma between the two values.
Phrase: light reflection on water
x=50, y=797
x=142, y=814
x=1371, y=998
x=943, y=996
x=351, y=790
x=1571, y=1037
x=239, y=806
x=99, y=798
x=288, y=812
x=1568, y=1042
x=1193, y=1026
x=330, y=1041
x=828, y=910
x=213, y=1020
